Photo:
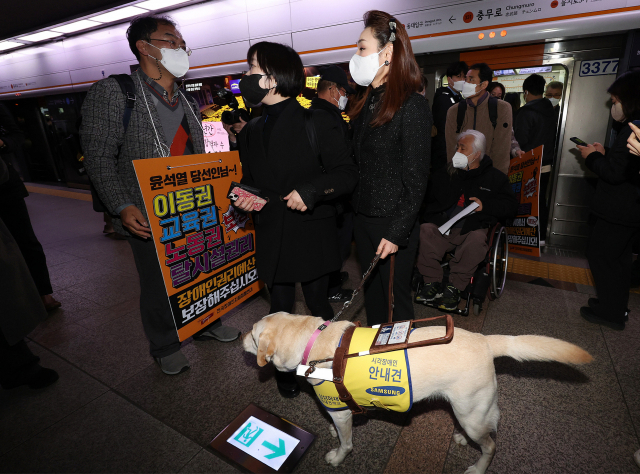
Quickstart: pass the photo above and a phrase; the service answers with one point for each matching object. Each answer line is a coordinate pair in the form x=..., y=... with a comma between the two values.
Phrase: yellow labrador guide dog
x=461, y=371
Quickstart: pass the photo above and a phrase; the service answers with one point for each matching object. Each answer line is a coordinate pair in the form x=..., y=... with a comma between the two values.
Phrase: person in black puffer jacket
x=615, y=211
x=470, y=178
x=392, y=140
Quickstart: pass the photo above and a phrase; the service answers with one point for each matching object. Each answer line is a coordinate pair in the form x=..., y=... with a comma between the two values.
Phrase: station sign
x=260, y=442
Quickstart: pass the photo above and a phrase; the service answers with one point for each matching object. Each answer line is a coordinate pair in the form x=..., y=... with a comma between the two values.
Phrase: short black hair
x=142, y=27
x=626, y=88
x=484, y=71
x=324, y=85
x=282, y=63
x=534, y=84
x=493, y=85
x=456, y=68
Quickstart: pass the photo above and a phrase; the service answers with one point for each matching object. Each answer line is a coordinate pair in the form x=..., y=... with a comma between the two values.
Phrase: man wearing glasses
x=163, y=122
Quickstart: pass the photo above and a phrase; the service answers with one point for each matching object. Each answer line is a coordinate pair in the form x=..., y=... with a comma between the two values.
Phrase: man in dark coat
x=535, y=125
x=21, y=313
x=14, y=213
x=333, y=91
x=443, y=99
x=471, y=177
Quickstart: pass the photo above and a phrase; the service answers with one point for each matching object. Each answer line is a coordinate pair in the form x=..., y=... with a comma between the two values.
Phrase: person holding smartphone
x=392, y=145
x=615, y=212
x=296, y=235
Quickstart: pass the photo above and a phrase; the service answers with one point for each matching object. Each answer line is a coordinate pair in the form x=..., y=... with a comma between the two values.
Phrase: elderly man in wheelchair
x=469, y=178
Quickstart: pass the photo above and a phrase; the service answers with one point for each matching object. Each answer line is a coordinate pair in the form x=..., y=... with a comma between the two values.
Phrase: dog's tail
x=537, y=348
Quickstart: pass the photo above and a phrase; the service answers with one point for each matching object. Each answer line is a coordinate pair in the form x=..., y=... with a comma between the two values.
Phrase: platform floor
x=114, y=411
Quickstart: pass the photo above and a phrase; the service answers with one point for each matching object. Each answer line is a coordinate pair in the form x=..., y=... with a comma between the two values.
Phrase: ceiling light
x=159, y=4
x=9, y=44
x=75, y=26
x=119, y=14
x=43, y=35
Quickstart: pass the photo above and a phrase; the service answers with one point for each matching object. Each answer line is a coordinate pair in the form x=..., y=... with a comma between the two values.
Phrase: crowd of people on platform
x=386, y=179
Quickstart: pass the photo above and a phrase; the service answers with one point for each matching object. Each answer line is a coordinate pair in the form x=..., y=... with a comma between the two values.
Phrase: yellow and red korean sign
x=206, y=249
x=524, y=229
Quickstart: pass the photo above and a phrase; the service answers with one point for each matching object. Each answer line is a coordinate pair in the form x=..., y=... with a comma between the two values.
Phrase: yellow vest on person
x=381, y=380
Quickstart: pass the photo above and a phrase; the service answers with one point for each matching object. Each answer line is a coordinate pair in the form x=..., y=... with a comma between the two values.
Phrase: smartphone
x=577, y=141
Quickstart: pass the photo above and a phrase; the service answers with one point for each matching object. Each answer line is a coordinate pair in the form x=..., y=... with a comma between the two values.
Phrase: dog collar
x=312, y=340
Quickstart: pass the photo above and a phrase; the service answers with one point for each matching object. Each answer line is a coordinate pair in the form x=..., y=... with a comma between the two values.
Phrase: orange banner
x=206, y=249
x=524, y=230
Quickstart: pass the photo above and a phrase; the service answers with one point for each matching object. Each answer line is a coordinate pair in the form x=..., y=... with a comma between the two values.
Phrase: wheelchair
x=488, y=280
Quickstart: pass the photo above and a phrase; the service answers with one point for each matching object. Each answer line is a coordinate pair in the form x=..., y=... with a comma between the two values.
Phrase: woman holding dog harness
x=392, y=146
x=296, y=236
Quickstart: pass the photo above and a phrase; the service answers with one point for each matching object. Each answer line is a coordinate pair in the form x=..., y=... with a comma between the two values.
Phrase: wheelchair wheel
x=498, y=262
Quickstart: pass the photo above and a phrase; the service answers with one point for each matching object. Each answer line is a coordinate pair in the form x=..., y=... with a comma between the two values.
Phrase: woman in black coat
x=392, y=141
x=296, y=236
x=615, y=211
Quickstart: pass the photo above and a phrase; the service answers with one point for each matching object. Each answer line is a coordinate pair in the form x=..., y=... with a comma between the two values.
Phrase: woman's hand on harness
x=386, y=248
x=295, y=202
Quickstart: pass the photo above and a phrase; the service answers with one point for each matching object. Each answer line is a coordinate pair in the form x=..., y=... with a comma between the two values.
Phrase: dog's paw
x=334, y=457
x=472, y=470
x=460, y=439
x=332, y=430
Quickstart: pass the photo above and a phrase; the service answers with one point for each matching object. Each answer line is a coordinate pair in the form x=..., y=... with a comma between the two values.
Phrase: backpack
x=128, y=89
x=493, y=112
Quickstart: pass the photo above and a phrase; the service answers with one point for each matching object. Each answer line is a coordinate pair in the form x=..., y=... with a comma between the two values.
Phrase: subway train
x=584, y=44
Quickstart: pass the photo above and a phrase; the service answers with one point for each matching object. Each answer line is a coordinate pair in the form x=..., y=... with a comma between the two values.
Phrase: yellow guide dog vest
x=381, y=380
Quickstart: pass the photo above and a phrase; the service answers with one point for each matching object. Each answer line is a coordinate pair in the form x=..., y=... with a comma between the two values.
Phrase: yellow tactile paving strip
x=521, y=266
x=59, y=193
x=552, y=271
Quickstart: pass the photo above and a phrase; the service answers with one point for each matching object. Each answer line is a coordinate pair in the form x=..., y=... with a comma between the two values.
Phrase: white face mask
x=458, y=85
x=176, y=61
x=363, y=69
x=616, y=112
x=460, y=160
x=342, y=101
x=468, y=90
x=554, y=101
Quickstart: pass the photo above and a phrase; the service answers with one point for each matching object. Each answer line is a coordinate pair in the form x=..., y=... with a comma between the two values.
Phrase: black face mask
x=251, y=90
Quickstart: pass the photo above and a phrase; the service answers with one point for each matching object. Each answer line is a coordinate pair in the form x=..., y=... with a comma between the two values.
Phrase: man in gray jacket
x=163, y=122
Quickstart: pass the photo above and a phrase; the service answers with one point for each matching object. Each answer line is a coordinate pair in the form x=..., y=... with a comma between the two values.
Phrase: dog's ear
x=266, y=348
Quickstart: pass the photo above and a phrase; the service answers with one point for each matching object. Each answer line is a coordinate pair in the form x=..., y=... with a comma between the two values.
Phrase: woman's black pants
x=368, y=232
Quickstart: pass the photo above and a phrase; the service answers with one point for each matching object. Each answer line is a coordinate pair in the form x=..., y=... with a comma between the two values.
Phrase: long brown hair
x=404, y=75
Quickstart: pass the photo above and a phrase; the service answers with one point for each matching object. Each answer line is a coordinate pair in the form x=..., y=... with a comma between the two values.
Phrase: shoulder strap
x=493, y=111
x=129, y=91
x=339, y=367
x=462, y=110
x=312, y=136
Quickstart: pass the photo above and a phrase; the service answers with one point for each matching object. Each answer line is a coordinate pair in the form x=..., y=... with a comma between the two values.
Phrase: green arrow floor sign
x=277, y=450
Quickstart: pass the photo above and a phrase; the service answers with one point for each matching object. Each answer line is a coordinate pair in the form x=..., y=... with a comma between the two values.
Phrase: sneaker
x=593, y=302
x=450, y=298
x=173, y=364
x=340, y=296
x=587, y=313
x=221, y=333
x=428, y=292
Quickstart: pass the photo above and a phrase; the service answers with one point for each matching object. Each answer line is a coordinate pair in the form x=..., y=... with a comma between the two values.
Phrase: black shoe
x=450, y=298
x=340, y=296
x=588, y=314
x=36, y=377
x=287, y=384
x=593, y=302
x=428, y=292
